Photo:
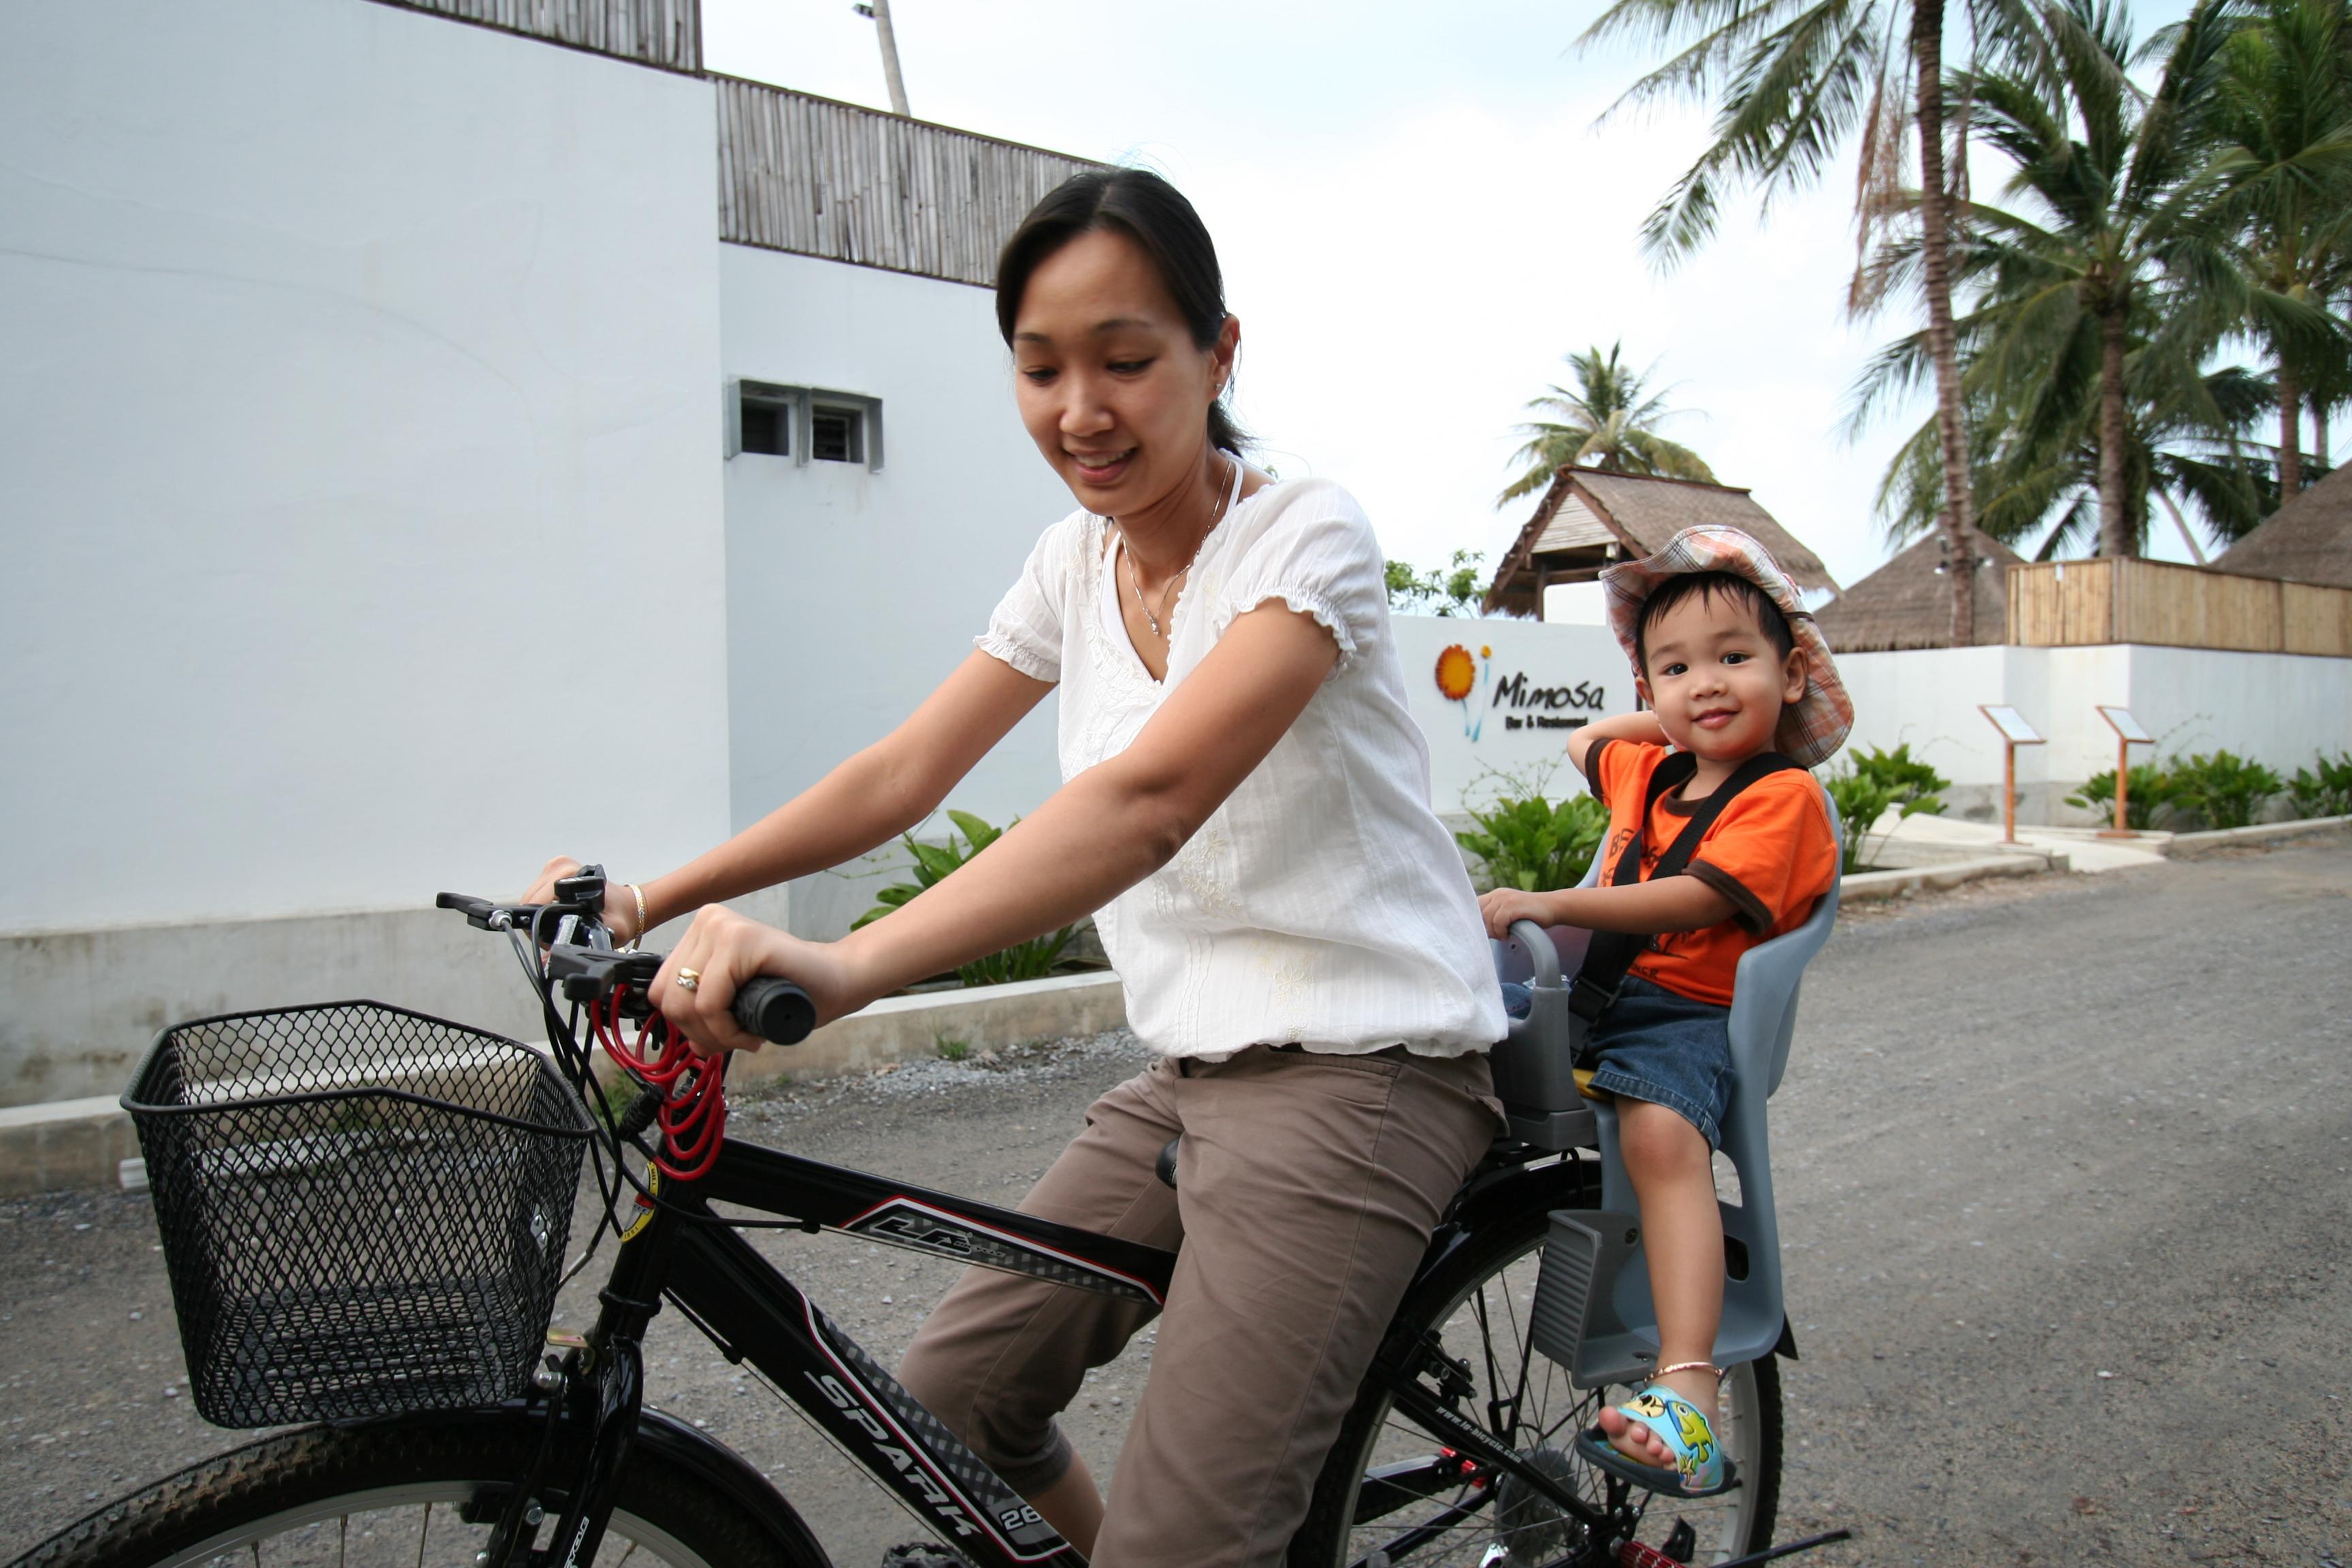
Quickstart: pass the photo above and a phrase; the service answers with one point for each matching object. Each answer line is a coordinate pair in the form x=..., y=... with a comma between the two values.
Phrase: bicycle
x=509, y=1448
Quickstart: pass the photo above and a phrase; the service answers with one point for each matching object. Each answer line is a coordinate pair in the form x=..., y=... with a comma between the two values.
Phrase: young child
x=1730, y=667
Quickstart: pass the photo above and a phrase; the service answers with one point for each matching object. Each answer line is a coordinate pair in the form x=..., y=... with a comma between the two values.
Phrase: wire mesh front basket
x=363, y=1209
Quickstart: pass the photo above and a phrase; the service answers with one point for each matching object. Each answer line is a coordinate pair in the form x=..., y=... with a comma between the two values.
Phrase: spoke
x=422, y=1531
x=343, y=1538
x=632, y=1552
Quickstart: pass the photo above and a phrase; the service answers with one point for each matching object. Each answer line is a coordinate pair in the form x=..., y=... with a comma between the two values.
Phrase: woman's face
x=1111, y=386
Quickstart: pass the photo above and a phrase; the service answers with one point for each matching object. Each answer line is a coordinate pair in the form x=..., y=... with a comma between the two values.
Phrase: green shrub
x=1869, y=785
x=1860, y=800
x=934, y=863
x=1535, y=845
x=1917, y=786
x=2151, y=791
x=2326, y=792
x=2222, y=788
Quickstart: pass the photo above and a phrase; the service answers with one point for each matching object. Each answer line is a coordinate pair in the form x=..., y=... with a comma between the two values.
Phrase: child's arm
x=1644, y=909
x=1642, y=726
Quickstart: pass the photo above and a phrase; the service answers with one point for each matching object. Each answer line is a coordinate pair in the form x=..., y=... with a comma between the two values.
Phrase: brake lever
x=591, y=974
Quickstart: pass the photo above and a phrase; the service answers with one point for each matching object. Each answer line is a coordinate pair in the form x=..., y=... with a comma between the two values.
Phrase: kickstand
x=1769, y=1553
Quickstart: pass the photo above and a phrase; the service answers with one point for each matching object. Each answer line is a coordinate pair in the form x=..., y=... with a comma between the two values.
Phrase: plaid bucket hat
x=1814, y=726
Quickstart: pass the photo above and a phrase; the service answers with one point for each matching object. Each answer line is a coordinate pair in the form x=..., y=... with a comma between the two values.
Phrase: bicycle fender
x=1565, y=1184
x=705, y=1456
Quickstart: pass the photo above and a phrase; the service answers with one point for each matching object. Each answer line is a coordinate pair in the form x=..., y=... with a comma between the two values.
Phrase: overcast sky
x=1417, y=218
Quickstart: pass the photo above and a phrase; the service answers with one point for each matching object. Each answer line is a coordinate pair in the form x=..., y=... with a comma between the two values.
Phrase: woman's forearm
x=1096, y=836
x=876, y=794
x=863, y=804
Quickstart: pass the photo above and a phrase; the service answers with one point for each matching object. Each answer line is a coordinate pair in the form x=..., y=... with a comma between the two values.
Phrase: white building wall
x=2278, y=709
x=360, y=380
x=852, y=594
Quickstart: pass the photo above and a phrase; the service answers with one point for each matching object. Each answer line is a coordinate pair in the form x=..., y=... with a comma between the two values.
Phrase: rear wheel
x=413, y=1495
x=1389, y=1494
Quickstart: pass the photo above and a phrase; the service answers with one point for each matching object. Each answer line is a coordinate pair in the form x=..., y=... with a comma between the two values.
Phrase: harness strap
x=1611, y=954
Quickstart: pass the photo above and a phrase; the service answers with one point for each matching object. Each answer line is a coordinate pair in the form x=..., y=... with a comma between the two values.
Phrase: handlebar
x=774, y=1009
x=1540, y=952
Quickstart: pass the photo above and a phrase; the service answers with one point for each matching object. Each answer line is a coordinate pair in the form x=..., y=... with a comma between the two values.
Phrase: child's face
x=1716, y=680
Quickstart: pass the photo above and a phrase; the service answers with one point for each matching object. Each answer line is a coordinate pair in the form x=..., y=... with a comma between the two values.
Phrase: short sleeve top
x=1323, y=904
x=1772, y=852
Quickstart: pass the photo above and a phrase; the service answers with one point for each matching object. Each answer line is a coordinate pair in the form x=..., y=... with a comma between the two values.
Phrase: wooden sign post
x=2130, y=732
x=2014, y=732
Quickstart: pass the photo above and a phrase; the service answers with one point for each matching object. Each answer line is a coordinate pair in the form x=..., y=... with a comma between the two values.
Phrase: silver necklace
x=1135, y=579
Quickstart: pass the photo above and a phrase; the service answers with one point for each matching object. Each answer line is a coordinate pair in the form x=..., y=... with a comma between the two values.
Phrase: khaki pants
x=1308, y=1185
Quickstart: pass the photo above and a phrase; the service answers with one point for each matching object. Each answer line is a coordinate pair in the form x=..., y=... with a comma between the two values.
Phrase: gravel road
x=2065, y=1173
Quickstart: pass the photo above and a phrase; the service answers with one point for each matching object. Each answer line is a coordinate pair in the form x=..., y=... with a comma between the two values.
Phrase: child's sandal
x=1700, y=1467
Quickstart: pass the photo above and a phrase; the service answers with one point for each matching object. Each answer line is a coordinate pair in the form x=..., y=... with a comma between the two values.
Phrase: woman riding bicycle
x=1246, y=810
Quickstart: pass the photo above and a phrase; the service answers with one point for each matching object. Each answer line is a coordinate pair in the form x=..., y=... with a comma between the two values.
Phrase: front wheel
x=1390, y=1495
x=419, y=1494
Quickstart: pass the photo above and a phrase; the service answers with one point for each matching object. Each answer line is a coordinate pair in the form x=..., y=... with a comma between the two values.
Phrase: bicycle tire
x=1493, y=1271
x=291, y=1490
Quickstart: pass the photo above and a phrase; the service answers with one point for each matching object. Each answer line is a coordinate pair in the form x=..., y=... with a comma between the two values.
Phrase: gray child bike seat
x=1618, y=1342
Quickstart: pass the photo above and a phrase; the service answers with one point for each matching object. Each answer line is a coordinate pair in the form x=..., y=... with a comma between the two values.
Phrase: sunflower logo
x=1458, y=675
x=1457, y=672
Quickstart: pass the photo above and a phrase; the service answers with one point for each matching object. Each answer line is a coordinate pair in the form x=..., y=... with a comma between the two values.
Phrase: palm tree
x=1609, y=423
x=2039, y=462
x=1798, y=76
x=2281, y=117
x=2110, y=182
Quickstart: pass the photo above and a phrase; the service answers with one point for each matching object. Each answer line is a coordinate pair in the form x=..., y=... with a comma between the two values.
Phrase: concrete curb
x=2260, y=832
x=84, y=1142
x=65, y=1143
x=1866, y=885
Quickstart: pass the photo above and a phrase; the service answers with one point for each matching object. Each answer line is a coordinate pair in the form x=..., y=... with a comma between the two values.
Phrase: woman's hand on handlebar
x=725, y=950
x=620, y=913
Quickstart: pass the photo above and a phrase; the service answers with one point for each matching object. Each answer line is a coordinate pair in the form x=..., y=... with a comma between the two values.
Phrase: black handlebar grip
x=774, y=1010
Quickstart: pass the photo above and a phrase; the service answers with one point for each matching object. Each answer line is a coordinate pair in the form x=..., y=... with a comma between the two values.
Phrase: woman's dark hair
x=1707, y=586
x=1155, y=215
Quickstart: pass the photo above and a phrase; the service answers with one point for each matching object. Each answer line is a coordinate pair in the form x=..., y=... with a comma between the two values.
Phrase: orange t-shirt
x=1772, y=852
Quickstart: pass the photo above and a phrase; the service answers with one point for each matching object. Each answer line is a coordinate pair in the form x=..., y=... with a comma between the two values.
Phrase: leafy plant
x=2327, y=792
x=952, y=1050
x=1447, y=591
x=1872, y=783
x=1862, y=800
x=2151, y=790
x=1917, y=787
x=2223, y=787
x=1536, y=845
x=934, y=863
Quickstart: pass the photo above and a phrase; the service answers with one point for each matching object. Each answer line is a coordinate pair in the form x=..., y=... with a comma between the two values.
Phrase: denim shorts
x=1655, y=1045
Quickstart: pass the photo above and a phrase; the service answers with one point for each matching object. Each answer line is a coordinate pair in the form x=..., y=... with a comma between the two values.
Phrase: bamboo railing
x=664, y=33
x=823, y=178
x=2065, y=604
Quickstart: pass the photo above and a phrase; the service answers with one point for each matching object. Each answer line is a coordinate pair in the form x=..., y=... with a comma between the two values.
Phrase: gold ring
x=689, y=979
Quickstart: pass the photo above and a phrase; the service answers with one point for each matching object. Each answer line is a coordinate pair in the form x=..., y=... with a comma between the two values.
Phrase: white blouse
x=1323, y=903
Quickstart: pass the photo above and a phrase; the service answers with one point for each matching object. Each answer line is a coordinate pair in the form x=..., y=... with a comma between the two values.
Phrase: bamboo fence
x=822, y=178
x=2065, y=604
x=664, y=33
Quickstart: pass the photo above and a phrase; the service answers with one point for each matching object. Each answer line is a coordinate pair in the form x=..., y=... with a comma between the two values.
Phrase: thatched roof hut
x=1907, y=603
x=1590, y=520
x=2309, y=540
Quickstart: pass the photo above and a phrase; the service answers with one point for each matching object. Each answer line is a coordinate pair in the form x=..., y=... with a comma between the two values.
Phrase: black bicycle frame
x=682, y=1249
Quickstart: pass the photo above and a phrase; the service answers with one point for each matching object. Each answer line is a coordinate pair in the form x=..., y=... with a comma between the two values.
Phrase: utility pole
x=878, y=13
